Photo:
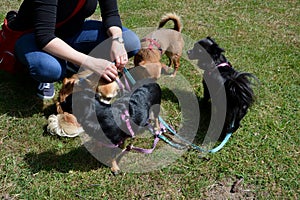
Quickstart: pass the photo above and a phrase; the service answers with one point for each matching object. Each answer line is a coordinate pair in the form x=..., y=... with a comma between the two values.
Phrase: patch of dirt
x=230, y=189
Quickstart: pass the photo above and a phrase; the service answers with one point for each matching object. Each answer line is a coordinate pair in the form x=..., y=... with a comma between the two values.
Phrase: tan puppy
x=159, y=42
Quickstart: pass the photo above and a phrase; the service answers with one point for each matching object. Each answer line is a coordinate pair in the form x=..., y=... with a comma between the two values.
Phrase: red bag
x=8, y=39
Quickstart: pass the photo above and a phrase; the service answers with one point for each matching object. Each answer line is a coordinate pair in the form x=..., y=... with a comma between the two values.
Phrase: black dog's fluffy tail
x=240, y=97
x=175, y=18
x=239, y=85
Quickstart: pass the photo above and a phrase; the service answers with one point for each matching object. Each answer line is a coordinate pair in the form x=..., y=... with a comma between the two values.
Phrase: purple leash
x=125, y=117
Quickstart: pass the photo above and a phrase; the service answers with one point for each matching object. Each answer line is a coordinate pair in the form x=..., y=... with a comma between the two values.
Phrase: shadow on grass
x=78, y=159
x=17, y=96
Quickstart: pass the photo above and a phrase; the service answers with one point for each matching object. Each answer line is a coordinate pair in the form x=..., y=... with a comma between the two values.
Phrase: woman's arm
x=45, y=20
x=112, y=22
x=104, y=68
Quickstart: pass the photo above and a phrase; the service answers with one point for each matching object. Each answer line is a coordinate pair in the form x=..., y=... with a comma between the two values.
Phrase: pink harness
x=153, y=43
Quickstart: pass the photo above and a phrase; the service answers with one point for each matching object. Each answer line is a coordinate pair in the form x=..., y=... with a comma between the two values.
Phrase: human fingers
x=123, y=61
x=117, y=61
x=110, y=73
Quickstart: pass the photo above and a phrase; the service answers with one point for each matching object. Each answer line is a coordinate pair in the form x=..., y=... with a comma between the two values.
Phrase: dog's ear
x=219, y=50
x=69, y=124
x=152, y=70
x=65, y=81
x=211, y=46
x=139, y=72
x=70, y=118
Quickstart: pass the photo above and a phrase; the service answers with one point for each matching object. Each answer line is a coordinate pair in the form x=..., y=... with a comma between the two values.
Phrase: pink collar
x=153, y=43
x=225, y=64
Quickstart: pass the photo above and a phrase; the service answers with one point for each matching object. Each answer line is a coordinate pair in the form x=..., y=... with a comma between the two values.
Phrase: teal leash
x=129, y=76
x=214, y=150
x=222, y=144
x=178, y=146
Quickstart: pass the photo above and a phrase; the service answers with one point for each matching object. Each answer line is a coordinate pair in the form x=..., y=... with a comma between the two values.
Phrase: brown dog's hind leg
x=114, y=167
x=176, y=63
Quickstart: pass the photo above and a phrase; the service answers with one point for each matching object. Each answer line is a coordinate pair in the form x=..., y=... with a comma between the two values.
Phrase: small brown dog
x=159, y=42
x=106, y=90
x=65, y=123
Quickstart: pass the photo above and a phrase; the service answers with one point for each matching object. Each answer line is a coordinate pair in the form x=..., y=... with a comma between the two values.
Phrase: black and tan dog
x=64, y=123
x=159, y=42
x=218, y=72
x=105, y=122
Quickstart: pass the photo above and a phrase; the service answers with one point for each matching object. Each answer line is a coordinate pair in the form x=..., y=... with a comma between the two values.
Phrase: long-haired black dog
x=104, y=122
x=220, y=73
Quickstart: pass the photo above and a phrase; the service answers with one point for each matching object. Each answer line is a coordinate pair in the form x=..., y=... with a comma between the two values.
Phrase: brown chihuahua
x=106, y=90
x=162, y=41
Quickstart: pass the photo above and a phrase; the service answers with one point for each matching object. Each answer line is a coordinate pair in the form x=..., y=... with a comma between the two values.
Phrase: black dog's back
x=103, y=121
x=146, y=96
x=240, y=97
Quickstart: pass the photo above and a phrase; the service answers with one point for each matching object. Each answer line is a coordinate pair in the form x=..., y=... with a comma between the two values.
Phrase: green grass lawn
x=261, y=37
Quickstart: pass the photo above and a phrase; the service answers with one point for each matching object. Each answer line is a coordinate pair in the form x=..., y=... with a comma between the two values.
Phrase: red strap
x=76, y=10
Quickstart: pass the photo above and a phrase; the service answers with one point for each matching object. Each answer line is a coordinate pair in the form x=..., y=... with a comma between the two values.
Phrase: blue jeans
x=91, y=40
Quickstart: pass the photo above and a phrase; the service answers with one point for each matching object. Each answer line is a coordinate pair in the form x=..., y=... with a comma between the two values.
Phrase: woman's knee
x=44, y=67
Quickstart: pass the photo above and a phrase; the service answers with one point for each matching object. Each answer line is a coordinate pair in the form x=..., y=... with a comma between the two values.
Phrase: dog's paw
x=115, y=168
x=115, y=171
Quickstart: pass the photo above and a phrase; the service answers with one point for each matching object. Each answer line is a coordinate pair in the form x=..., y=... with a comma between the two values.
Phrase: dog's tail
x=240, y=86
x=174, y=17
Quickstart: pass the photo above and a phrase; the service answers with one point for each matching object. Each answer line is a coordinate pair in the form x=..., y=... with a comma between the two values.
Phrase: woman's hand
x=118, y=53
x=110, y=72
x=104, y=68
